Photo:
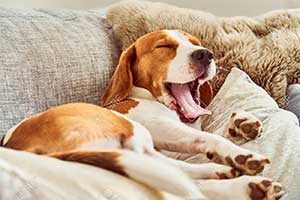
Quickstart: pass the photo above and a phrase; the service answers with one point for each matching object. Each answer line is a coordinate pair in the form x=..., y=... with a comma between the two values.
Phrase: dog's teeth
x=182, y=109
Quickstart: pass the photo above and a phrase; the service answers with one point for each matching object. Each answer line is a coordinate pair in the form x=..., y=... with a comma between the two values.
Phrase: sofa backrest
x=51, y=57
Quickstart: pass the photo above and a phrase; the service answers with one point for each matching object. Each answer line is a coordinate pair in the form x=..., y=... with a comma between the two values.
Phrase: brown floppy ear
x=121, y=82
x=206, y=94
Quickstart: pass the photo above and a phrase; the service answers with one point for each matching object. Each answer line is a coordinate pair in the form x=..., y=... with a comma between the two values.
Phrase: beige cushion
x=51, y=57
x=281, y=132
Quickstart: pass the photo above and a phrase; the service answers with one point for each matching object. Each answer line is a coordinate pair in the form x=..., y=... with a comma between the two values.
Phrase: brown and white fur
x=144, y=116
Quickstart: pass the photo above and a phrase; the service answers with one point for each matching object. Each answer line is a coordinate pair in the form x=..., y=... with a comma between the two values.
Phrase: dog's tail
x=139, y=167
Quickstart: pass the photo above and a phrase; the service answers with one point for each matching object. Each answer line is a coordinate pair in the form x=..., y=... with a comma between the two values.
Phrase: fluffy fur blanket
x=267, y=47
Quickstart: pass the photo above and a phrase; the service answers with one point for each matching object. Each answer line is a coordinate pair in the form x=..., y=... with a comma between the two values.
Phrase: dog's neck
x=141, y=93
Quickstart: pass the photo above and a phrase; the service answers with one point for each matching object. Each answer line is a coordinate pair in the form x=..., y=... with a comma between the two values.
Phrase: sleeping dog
x=152, y=103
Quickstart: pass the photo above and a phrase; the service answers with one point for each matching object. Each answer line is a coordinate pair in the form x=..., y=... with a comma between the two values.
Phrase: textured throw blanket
x=281, y=132
x=267, y=47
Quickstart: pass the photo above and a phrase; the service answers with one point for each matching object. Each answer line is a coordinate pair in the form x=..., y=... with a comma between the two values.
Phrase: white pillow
x=281, y=132
x=28, y=176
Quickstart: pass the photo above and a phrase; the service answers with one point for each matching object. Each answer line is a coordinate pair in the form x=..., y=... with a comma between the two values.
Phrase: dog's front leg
x=244, y=187
x=171, y=135
x=198, y=171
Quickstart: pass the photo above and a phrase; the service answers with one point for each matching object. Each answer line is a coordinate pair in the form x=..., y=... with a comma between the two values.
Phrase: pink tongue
x=185, y=100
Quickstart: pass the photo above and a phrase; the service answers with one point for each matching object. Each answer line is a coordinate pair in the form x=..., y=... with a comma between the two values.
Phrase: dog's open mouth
x=187, y=100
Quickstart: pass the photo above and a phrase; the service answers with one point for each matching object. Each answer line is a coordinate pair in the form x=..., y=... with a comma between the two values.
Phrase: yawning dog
x=152, y=103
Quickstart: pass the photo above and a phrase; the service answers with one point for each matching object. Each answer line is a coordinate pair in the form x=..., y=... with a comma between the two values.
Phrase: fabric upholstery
x=281, y=132
x=266, y=47
x=51, y=57
x=293, y=101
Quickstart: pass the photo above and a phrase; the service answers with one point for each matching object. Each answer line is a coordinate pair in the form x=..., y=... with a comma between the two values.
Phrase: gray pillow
x=293, y=100
x=51, y=57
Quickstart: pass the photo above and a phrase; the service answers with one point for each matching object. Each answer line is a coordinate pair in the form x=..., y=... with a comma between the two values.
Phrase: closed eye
x=169, y=46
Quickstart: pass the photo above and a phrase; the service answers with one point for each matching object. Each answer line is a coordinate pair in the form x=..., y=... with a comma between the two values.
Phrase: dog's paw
x=250, y=164
x=245, y=125
x=264, y=189
x=246, y=162
x=244, y=187
x=253, y=188
x=219, y=171
x=211, y=171
x=227, y=173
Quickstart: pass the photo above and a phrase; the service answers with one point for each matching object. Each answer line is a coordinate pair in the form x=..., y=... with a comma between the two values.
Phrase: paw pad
x=246, y=164
x=214, y=157
x=231, y=174
x=244, y=125
x=238, y=122
x=265, y=190
x=241, y=159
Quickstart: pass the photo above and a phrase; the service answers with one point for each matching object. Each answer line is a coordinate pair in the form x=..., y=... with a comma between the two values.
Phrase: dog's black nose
x=202, y=56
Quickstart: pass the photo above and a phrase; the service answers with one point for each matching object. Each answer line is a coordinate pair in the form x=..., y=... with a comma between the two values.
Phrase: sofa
x=51, y=57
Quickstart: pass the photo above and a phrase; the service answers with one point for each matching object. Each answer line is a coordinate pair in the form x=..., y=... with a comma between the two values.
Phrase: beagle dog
x=153, y=102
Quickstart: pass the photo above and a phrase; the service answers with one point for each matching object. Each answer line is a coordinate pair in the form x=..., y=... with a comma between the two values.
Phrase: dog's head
x=171, y=65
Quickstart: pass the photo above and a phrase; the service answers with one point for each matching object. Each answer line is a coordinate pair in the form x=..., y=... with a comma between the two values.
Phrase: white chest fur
x=149, y=108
